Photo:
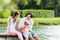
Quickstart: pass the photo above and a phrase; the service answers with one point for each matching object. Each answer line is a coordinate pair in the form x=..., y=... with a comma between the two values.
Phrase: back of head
x=15, y=13
x=26, y=23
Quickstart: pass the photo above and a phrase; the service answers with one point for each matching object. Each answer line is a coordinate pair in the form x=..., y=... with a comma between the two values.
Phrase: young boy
x=24, y=29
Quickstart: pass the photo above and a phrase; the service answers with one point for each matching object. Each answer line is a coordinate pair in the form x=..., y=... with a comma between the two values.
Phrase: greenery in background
x=42, y=4
x=6, y=13
x=46, y=21
x=41, y=9
x=31, y=4
x=37, y=21
x=3, y=22
x=37, y=13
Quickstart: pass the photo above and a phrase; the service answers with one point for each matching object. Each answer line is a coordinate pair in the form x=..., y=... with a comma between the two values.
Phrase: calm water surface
x=44, y=32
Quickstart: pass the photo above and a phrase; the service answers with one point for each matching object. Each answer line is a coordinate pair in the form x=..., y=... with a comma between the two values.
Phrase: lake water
x=44, y=32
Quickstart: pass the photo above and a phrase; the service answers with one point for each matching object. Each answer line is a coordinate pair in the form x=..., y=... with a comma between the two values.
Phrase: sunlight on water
x=54, y=32
x=45, y=32
x=49, y=32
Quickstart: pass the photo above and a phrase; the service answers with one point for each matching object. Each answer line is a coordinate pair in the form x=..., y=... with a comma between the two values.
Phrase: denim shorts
x=33, y=33
x=29, y=34
x=26, y=34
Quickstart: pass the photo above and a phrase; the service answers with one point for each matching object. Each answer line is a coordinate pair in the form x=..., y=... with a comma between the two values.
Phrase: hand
x=29, y=30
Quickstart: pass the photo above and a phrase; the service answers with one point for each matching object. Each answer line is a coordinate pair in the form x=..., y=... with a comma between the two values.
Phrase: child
x=24, y=29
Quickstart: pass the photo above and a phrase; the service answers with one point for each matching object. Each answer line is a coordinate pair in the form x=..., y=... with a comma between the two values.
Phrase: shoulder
x=24, y=18
x=32, y=20
x=9, y=18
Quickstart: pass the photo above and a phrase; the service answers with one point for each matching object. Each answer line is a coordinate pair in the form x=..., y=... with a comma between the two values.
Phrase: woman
x=12, y=23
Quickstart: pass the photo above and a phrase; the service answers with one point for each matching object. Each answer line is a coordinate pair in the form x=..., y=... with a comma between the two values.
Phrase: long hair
x=15, y=13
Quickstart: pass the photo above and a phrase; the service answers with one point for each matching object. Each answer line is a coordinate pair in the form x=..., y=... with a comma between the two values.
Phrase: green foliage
x=32, y=4
x=6, y=13
x=23, y=2
x=1, y=15
x=3, y=22
x=37, y=21
x=38, y=2
x=50, y=3
x=47, y=21
x=39, y=13
x=59, y=2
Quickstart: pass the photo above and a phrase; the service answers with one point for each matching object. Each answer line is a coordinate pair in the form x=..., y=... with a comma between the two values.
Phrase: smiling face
x=28, y=17
x=17, y=16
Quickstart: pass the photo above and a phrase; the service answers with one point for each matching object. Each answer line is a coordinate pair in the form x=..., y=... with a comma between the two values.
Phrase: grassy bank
x=46, y=21
x=37, y=21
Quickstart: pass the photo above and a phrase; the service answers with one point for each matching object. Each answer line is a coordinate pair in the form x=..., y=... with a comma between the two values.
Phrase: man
x=29, y=18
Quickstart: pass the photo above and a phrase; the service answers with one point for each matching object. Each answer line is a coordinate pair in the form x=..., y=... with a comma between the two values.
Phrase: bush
x=39, y=13
x=46, y=21
x=6, y=13
x=3, y=22
x=1, y=15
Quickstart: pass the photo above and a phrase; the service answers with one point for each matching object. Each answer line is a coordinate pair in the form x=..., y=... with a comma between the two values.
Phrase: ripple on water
x=45, y=33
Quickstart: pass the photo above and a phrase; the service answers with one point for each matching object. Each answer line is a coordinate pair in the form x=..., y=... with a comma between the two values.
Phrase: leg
x=19, y=35
x=30, y=36
x=25, y=34
x=26, y=38
x=35, y=36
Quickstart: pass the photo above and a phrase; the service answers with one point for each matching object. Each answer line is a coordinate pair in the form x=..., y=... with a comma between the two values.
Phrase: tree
x=22, y=4
x=56, y=8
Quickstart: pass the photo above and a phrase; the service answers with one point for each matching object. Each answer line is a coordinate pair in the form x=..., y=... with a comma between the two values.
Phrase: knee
x=19, y=33
x=36, y=37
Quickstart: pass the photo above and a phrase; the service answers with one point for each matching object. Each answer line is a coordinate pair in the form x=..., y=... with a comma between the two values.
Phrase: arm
x=31, y=25
x=17, y=24
x=9, y=20
x=21, y=23
x=28, y=28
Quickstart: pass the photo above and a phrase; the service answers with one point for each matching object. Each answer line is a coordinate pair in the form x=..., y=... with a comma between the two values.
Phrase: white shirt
x=23, y=20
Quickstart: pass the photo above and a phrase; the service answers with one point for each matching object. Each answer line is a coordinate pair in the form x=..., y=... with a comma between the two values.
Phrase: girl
x=12, y=23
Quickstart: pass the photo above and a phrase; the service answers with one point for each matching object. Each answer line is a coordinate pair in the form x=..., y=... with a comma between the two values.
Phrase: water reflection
x=45, y=32
x=49, y=32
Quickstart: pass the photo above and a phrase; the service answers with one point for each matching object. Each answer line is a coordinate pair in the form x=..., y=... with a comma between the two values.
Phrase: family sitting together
x=24, y=31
